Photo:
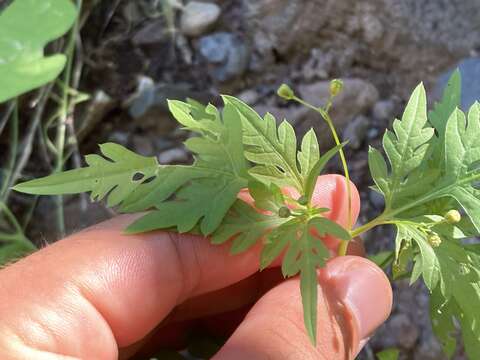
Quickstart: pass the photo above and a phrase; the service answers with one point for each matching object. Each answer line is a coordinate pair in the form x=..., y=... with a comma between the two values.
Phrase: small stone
x=357, y=96
x=372, y=28
x=356, y=131
x=175, y=155
x=404, y=330
x=143, y=98
x=376, y=199
x=372, y=133
x=383, y=110
x=429, y=349
x=142, y=145
x=470, y=71
x=152, y=33
x=119, y=137
x=249, y=96
x=198, y=17
x=227, y=54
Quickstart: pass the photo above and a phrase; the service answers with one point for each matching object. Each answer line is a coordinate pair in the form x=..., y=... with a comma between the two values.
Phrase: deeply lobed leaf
x=433, y=170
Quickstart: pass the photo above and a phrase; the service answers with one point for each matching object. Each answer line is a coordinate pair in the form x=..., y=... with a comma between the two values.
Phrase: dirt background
x=135, y=55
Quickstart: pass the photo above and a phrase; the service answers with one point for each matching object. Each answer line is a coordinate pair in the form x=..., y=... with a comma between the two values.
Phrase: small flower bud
x=285, y=92
x=284, y=212
x=302, y=200
x=398, y=268
x=336, y=87
x=434, y=240
x=452, y=217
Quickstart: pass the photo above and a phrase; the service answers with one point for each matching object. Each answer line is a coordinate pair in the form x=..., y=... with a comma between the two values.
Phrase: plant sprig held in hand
x=429, y=180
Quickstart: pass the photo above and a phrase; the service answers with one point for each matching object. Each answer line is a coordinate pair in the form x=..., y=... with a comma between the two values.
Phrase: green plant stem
x=13, y=152
x=19, y=236
x=380, y=220
x=324, y=114
x=65, y=112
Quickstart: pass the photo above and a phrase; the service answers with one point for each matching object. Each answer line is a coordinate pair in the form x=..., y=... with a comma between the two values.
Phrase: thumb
x=354, y=298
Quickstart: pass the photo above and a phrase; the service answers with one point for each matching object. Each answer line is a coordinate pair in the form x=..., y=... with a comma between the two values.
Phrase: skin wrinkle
x=189, y=283
x=101, y=318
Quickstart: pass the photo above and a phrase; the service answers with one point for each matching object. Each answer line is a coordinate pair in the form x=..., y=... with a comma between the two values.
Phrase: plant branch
x=13, y=151
x=65, y=113
x=324, y=114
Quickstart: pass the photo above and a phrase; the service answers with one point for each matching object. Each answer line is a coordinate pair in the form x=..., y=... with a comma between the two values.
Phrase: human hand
x=99, y=294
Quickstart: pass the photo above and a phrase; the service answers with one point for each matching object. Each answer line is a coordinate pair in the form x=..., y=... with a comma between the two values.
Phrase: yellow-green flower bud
x=285, y=92
x=434, y=240
x=398, y=268
x=452, y=217
x=284, y=212
x=336, y=87
x=302, y=200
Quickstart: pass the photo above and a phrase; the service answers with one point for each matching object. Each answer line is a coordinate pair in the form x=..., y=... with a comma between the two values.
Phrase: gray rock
x=226, y=53
x=356, y=131
x=383, y=110
x=372, y=133
x=372, y=28
x=98, y=108
x=376, y=199
x=429, y=349
x=152, y=33
x=249, y=96
x=142, y=145
x=405, y=331
x=427, y=35
x=175, y=155
x=148, y=104
x=198, y=17
x=119, y=137
x=470, y=70
x=143, y=98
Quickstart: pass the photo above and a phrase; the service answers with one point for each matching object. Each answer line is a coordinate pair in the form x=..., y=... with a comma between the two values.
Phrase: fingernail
x=364, y=290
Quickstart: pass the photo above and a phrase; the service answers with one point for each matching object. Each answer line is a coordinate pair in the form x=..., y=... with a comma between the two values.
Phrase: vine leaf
x=462, y=154
x=309, y=153
x=273, y=150
x=434, y=170
x=405, y=147
x=26, y=26
x=305, y=254
x=115, y=176
x=208, y=188
x=450, y=101
x=245, y=224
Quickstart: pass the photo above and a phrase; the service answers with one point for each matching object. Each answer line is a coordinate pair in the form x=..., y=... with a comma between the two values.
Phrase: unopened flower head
x=434, y=240
x=285, y=92
x=452, y=217
x=336, y=87
x=284, y=212
x=302, y=200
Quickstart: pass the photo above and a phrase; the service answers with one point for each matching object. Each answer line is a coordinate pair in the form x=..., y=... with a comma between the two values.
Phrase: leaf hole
x=137, y=176
x=149, y=180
